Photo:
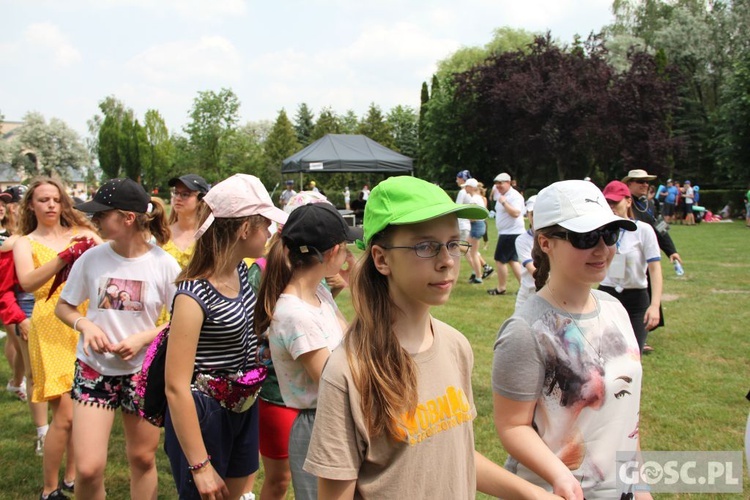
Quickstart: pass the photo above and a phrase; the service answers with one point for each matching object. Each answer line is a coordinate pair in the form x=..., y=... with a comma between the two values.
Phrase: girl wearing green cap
x=395, y=409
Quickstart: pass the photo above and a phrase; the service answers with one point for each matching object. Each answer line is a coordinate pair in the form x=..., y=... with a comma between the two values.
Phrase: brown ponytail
x=541, y=259
x=154, y=222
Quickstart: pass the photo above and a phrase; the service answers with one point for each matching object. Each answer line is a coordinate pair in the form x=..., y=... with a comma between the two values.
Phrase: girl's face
x=124, y=296
x=621, y=207
x=46, y=204
x=255, y=240
x=2, y=210
x=573, y=265
x=416, y=281
x=109, y=223
x=184, y=201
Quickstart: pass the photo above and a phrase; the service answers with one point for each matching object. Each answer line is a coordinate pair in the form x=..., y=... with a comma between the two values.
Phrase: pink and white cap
x=239, y=196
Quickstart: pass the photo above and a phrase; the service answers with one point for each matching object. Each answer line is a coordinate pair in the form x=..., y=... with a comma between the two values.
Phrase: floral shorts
x=105, y=391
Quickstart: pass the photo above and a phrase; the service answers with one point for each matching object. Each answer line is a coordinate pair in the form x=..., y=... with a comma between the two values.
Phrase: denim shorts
x=478, y=228
x=25, y=302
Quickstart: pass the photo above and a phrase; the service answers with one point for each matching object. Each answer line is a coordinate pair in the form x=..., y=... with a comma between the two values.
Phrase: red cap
x=616, y=191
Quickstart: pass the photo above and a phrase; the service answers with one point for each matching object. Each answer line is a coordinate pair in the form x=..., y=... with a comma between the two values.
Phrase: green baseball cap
x=407, y=200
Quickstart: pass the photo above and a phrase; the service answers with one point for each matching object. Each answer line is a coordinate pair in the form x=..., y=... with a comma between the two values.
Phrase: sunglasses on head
x=584, y=241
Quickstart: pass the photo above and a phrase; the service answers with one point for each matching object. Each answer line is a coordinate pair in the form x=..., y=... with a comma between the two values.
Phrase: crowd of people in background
x=261, y=364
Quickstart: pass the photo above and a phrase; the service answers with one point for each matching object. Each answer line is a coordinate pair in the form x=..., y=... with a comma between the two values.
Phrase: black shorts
x=505, y=251
x=668, y=209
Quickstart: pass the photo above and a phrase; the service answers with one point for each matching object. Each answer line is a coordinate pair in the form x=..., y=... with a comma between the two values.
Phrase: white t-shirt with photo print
x=125, y=297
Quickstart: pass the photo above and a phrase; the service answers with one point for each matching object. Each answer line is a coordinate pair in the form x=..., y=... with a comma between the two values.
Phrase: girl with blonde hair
x=55, y=235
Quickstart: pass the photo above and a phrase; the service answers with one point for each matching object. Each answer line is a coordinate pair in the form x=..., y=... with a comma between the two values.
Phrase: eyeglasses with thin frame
x=430, y=249
x=584, y=241
x=183, y=195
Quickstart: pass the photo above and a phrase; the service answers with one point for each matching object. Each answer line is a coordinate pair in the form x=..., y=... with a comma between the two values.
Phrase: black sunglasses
x=584, y=241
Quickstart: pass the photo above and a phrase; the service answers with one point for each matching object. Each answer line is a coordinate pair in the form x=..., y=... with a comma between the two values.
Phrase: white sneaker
x=19, y=391
x=248, y=496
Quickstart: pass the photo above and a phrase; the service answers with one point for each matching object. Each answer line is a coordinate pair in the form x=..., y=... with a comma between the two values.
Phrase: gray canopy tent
x=346, y=153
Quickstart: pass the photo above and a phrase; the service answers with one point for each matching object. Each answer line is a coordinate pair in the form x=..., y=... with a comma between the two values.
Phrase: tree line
x=665, y=87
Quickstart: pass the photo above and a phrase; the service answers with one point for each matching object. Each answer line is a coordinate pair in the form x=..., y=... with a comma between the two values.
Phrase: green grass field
x=694, y=382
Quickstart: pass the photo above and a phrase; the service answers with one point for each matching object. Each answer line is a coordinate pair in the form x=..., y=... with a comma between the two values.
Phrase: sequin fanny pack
x=236, y=392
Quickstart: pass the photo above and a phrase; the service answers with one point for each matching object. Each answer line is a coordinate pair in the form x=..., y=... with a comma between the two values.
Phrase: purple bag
x=150, y=390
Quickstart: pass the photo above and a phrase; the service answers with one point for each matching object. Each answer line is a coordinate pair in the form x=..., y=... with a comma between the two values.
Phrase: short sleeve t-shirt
x=584, y=373
x=298, y=328
x=505, y=223
x=125, y=297
x=524, y=245
x=436, y=457
x=463, y=198
x=638, y=248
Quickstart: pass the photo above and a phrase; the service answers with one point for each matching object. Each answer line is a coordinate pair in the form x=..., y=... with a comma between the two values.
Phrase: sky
x=61, y=58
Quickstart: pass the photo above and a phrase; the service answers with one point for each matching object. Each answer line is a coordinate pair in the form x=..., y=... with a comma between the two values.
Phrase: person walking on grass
x=637, y=252
x=509, y=222
x=566, y=372
x=211, y=437
x=377, y=432
x=637, y=181
x=55, y=236
x=301, y=320
x=477, y=229
x=464, y=198
x=113, y=341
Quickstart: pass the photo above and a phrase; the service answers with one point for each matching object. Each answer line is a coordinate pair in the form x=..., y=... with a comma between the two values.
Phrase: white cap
x=530, y=203
x=502, y=177
x=578, y=206
x=239, y=196
x=471, y=183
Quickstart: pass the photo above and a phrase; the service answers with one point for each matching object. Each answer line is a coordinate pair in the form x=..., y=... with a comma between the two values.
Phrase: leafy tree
x=159, y=150
x=281, y=143
x=349, y=122
x=444, y=145
x=734, y=138
x=402, y=121
x=109, y=143
x=185, y=159
x=304, y=123
x=214, y=120
x=244, y=151
x=374, y=126
x=557, y=114
x=132, y=135
x=328, y=123
x=52, y=148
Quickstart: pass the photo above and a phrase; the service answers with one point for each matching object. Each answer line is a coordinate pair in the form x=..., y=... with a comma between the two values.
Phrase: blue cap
x=464, y=174
x=687, y=182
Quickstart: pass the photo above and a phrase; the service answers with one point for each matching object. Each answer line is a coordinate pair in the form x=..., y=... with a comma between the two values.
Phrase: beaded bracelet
x=193, y=468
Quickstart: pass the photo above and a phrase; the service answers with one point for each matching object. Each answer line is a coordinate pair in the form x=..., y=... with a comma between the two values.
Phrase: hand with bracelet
x=209, y=483
x=93, y=336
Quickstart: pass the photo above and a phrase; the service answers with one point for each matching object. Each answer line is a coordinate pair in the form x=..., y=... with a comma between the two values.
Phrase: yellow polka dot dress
x=52, y=345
